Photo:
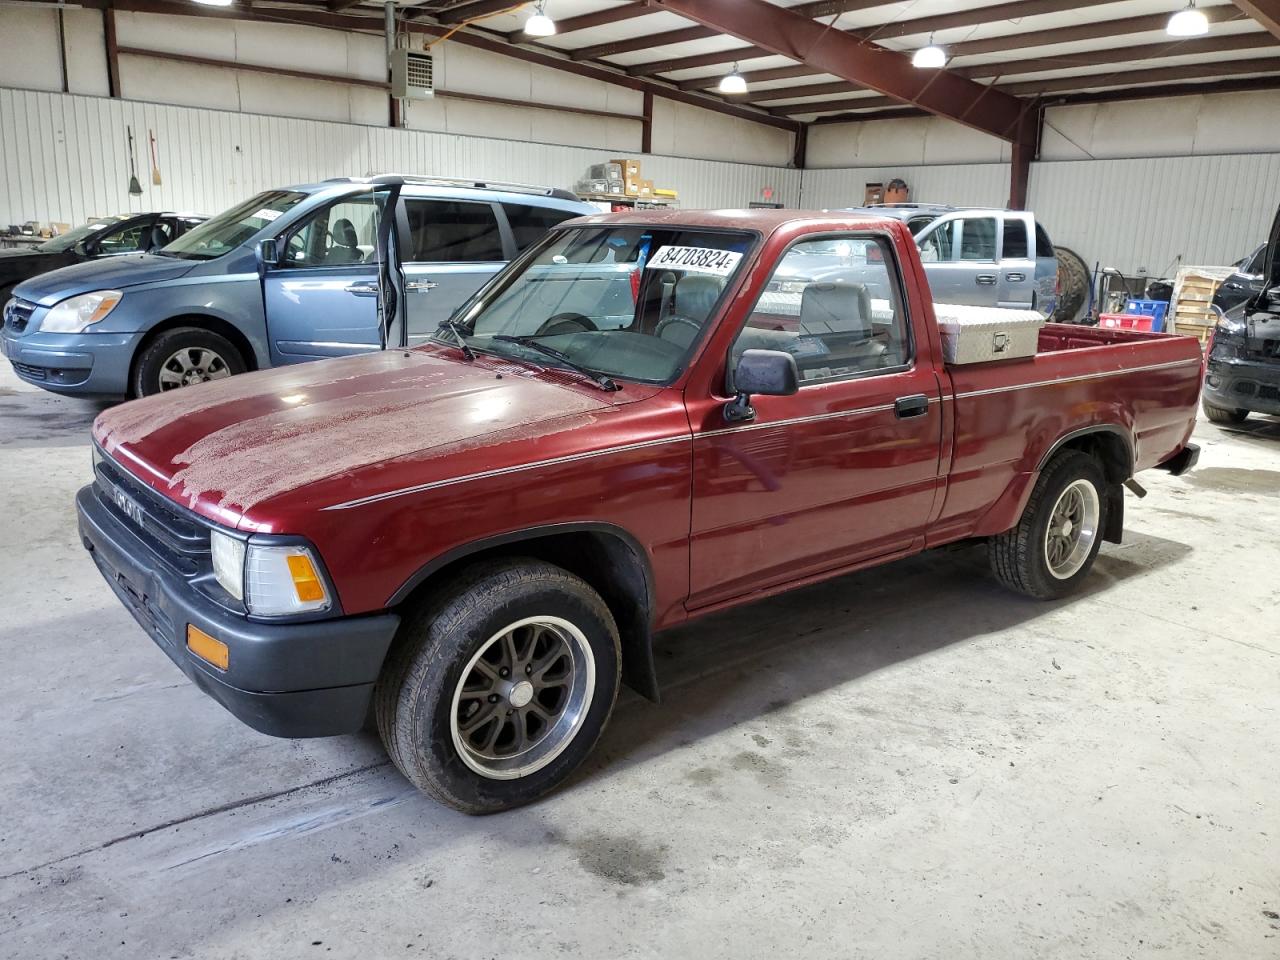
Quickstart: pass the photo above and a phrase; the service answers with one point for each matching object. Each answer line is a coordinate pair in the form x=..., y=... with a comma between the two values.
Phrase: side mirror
x=765, y=373
x=268, y=253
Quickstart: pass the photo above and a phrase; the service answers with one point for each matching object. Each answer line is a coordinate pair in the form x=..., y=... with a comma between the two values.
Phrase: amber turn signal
x=207, y=648
x=306, y=582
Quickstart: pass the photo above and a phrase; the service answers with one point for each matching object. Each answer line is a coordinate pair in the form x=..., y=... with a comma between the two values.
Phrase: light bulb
x=929, y=58
x=540, y=25
x=733, y=82
x=1188, y=23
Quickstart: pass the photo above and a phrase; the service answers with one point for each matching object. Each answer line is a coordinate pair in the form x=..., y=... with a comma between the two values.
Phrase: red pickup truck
x=634, y=424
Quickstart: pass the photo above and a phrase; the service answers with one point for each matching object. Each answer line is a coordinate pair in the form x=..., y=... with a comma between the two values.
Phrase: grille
x=17, y=314
x=173, y=534
x=30, y=372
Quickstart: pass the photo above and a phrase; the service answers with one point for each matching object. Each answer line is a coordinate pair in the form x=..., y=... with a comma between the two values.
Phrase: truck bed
x=1004, y=417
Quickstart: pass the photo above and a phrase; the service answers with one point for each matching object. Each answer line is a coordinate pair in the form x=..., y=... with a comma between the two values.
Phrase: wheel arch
x=204, y=321
x=1112, y=447
x=608, y=558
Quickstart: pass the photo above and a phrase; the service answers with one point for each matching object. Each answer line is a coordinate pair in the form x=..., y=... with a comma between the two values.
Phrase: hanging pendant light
x=1188, y=22
x=931, y=57
x=733, y=82
x=540, y=25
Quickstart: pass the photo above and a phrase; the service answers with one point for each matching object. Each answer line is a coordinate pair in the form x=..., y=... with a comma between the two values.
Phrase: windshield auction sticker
x=716, y=263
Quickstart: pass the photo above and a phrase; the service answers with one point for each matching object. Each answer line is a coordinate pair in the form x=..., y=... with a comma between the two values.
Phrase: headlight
x=75, y=313
x=273, y=581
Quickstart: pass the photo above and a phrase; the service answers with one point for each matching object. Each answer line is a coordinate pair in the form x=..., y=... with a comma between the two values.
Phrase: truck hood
x=108, y=273
x=331, y=427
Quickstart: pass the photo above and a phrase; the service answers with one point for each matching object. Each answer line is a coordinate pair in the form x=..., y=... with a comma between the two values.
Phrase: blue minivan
x=297, y=274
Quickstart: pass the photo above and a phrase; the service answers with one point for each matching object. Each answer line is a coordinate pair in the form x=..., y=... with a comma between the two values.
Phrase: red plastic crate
x=1126, y=321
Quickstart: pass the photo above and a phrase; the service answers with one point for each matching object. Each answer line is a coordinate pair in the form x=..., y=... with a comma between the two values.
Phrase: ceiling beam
x=782, y=31
x=598, y=18
x=1124, y=78
x=1147, y=51
x=826, y=106
x=476, y=8
x=1236, y=85
x=802, y=90
x=822, y=8
x=1266, y=12
x=1091, y=30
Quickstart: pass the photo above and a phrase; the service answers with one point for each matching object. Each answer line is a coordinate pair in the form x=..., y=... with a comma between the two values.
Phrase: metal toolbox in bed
x=984, y=334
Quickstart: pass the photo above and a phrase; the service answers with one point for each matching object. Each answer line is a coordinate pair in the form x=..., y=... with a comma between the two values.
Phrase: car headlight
x=272, y=580
x=75, y=313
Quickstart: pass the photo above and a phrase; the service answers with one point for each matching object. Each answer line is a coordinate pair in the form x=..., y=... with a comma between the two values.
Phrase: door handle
x=1015, y=277
x=362, y=288
x=985, y=279
x=906, y=407
x=421, y=285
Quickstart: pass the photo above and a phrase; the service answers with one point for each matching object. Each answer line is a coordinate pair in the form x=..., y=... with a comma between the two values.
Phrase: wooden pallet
x=1191, y=308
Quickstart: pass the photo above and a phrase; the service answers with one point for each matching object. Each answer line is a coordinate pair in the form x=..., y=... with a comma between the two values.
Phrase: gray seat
x=346, y=243
x=835, y=308
x=159, y=237
x=692, y=301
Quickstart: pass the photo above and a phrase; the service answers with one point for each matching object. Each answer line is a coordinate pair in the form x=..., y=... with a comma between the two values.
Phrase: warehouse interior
x=896, y=758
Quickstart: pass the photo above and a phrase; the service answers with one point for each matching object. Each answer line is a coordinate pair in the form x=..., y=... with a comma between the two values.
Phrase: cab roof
x=762, y=220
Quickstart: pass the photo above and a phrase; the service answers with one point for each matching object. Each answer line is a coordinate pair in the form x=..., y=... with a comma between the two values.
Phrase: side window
x=129, y=239
x=1256, y=264
x=1044, y=246
x=1015, y=239
x=453, y=231
x=186, y=223
x=837, y=323
x=938, y=247
x=341, y=234
x=530, y=224
x=978, y=238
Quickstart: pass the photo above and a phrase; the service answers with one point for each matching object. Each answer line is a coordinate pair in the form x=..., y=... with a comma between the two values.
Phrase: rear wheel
x=1054, y=545
x=499, y=685
x=1224, y=414
x=184, y=357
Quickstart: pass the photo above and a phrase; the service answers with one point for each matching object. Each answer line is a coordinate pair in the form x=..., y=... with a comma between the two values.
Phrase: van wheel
x=183, y=357
x=1224, y=414
x=499, y=685
x=1053, y=547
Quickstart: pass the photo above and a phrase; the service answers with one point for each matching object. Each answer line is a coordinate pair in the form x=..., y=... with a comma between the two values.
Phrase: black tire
x=150, y=363
x=1019, y=556
x=1073, y=281
x=438, y=641
x=1224, y=414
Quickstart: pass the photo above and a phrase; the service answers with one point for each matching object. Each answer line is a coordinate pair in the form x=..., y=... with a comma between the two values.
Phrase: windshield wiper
x=452, y=326
x=599, y=379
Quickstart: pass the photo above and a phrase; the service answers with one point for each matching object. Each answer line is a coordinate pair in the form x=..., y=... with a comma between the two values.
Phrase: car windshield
x=223, y=233
x=66, y=241
x=623, y=301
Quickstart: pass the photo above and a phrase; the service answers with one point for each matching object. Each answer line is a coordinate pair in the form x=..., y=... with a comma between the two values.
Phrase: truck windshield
x=222, y=234
x=624, y=301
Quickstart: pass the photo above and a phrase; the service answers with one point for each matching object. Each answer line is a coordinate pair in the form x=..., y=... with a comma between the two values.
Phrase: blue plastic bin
x=1155, y=309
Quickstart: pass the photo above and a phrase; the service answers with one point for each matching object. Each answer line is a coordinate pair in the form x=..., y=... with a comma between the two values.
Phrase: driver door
x=321, y=298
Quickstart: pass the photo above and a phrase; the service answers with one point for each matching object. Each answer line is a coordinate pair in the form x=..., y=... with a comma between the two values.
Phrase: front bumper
x=1252, y=385
x=84, y=364
x=309, y=679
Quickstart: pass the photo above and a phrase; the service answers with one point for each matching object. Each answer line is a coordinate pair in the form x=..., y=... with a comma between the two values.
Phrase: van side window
x=530, y=224
x=341, y=234
x=1015, y=239
x=978, y=238
x=452, y=231
x=833, y=304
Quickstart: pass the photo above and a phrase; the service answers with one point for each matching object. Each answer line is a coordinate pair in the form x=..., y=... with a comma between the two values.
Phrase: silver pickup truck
x=980, y=256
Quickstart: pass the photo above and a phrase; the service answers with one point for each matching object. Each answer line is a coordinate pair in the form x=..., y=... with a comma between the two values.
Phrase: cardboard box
x=646, y=189
x=630, y=168
x=631, y=186
x=605, y=171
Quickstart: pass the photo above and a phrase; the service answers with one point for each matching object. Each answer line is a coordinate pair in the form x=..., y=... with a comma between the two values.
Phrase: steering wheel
x=672, y=321
x=565, y=323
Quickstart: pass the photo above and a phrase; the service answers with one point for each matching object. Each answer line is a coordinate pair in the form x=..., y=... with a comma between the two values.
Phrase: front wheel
x=184, y=357
x=1054, y=545
x=1224, y=414
x=499, y=685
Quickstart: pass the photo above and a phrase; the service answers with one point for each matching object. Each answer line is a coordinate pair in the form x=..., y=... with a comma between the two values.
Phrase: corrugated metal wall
x=65, y=159
x=968, y=184
x=1149, y=215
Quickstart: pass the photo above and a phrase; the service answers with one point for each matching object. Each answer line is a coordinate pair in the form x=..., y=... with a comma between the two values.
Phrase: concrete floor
x=903, y=763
